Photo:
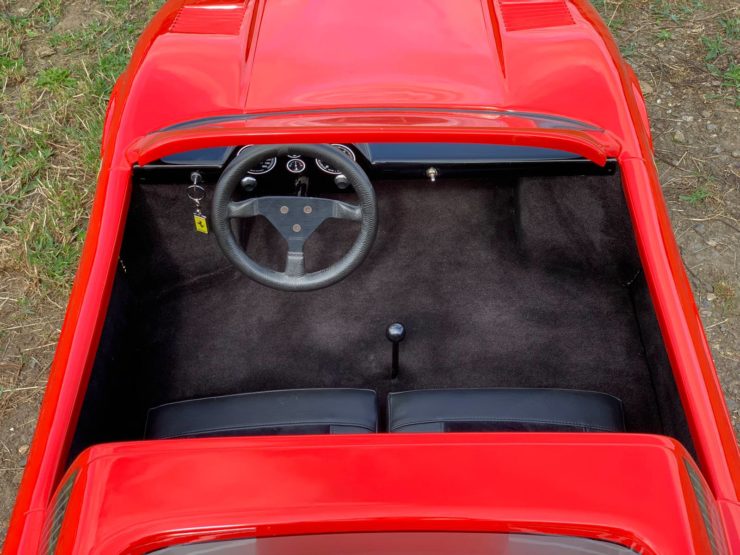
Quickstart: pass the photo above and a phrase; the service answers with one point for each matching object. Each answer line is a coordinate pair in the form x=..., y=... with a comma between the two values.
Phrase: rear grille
x=55, y=518
x=522, y=15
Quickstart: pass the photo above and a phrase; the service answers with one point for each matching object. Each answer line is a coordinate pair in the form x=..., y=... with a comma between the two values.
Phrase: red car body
x=426, y=71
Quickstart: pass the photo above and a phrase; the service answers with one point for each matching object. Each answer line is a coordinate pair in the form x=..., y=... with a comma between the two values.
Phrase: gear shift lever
x=395, y=334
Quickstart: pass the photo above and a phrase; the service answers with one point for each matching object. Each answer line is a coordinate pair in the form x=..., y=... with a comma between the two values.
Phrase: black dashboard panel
x=456, y=153
x=216, y=156
x=401, y=153
x=389, y=160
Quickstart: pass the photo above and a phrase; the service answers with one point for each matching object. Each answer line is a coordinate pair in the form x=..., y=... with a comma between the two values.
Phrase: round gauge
x=324, y=167
x=295, y=165
x=267, y=165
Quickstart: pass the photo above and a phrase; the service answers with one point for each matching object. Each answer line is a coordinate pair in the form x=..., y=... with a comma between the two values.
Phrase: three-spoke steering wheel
x=295, y=218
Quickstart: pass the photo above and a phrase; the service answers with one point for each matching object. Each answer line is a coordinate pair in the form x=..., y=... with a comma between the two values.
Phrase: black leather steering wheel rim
x=224, y=210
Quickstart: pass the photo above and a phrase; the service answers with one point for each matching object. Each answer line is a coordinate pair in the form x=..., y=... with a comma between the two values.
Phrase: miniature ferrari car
x=378, y=276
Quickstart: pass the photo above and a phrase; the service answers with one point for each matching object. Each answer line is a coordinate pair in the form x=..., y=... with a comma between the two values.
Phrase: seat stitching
x=495, y=419
x=581, y=392
x=265, y=393
x=271, y=425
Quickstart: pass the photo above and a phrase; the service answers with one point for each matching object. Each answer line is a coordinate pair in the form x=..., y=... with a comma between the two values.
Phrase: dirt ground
x=58, y=60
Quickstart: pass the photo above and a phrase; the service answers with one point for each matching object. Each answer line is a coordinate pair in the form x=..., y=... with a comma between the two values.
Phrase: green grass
x=51, y=112
x=715, y=47
x=697, y=196
x=55, y=79
x=675, y=10
x=732, y=76
x=731, y=27
x=12, y=67
x=726, y=294
x=721, y=50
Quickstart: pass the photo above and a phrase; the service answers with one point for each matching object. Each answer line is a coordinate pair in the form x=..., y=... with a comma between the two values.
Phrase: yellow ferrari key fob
x=201, y=225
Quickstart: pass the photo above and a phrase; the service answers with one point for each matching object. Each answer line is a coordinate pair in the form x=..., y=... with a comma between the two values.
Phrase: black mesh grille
x=54, y=520
x=708, y=513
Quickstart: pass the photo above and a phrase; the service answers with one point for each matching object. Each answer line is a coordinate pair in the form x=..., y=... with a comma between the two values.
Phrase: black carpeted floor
x=508, y=284
x=501, y=282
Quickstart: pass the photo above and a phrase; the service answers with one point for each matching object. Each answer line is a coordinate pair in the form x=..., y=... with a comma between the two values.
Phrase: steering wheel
x=295, y=218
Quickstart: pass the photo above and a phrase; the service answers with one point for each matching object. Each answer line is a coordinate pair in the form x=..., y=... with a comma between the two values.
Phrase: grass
x=698, y=195
x=55, y=79
x=731, y=27
x=726, y=294
x=721, y=56
x=54, y=93
x=717, y=35
x=675, y=11
x=715, y=47
x=732, y=77
x=12, y=67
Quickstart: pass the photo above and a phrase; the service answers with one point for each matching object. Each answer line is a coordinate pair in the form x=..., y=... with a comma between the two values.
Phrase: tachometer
x=267, y=165
x=324, y=167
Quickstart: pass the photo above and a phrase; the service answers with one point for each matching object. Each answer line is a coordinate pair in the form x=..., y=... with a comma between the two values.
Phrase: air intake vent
x=55, y=518
x=522, y=15
x=218, y=19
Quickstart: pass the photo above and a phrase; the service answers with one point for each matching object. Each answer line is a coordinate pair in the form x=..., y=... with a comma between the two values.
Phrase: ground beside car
x=58, y=60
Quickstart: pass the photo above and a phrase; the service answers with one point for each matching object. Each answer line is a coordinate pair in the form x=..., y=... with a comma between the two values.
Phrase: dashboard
x=387, y=160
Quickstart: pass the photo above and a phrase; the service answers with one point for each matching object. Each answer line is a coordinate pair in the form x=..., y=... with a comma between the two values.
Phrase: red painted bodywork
x=323, y=65
x=458, y=482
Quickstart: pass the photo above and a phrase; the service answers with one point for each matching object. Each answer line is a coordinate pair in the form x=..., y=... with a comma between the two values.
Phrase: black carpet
x=482, y=279
x=500, y=283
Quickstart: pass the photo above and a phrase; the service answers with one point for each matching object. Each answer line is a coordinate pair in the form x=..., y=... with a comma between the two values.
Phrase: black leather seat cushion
x=286, y=412
x=504, y=410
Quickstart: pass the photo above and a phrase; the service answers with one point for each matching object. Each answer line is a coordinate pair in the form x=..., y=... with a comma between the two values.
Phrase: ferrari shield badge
x=201, y=225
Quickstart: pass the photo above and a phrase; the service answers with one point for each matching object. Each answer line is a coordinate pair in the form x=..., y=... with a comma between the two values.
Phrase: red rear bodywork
x=380, y=70
x=631, y=490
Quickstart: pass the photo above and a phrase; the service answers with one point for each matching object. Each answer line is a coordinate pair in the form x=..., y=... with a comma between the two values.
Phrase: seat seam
x=255, y=393
x=544, y=390
x=494, y=419
x=233, y=428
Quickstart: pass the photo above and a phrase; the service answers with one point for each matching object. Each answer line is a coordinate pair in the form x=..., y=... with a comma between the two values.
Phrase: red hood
x=208, y=58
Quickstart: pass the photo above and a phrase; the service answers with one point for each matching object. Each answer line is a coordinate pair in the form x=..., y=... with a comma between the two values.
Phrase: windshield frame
x=380, y=125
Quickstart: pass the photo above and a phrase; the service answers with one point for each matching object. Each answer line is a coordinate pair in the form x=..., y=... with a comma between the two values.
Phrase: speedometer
x=263, y=167
x=324, y=167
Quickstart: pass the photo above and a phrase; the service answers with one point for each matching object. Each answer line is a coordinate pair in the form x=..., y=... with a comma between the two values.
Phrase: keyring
x=196, y=192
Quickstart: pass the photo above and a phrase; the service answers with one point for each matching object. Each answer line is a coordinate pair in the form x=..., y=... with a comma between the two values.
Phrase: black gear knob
x=395, y=334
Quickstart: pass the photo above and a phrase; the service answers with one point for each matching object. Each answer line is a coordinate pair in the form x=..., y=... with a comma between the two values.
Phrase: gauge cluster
x=295, y=163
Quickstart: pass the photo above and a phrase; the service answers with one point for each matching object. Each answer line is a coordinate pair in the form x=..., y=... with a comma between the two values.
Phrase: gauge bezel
x=272, y=161
x=344, y=149
x=303, y=165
